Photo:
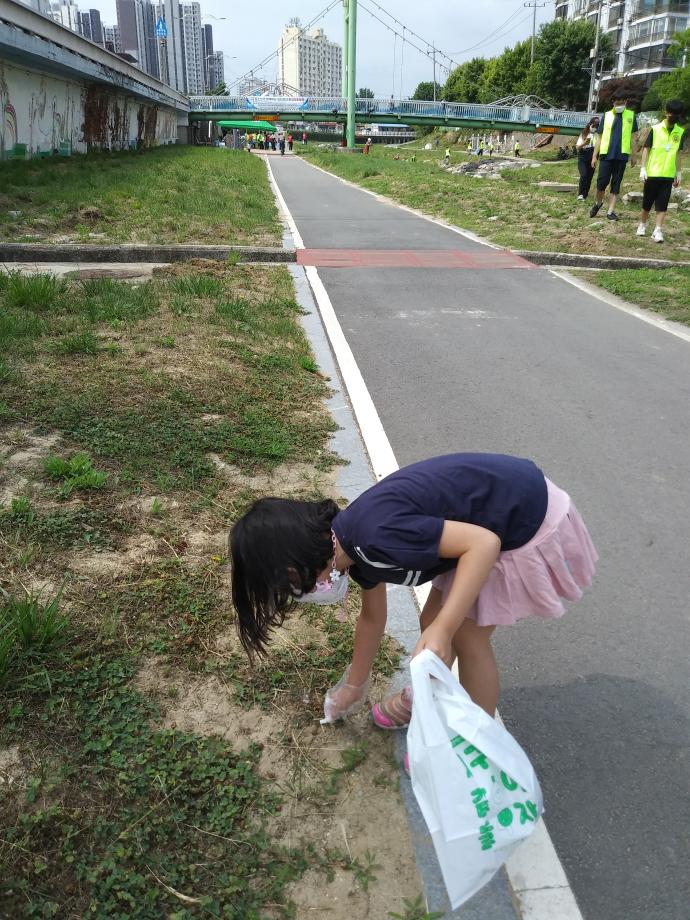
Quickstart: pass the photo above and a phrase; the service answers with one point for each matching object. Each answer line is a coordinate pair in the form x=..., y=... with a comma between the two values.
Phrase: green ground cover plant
x=512, y=211
x=665, y=292
x=121, y=470
x=163, y=195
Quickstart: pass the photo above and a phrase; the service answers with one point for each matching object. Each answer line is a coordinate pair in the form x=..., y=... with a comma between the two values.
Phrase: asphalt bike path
x=513, y=359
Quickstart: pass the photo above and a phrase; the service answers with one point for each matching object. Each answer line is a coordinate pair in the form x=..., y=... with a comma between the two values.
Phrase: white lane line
x=296, y=236
x=613, y=301
x=535, y=871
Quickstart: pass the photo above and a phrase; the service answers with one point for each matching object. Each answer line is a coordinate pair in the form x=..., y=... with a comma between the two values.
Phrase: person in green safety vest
x=516, y=149
x=446, y=158
x=660, y=169
x=612, y=149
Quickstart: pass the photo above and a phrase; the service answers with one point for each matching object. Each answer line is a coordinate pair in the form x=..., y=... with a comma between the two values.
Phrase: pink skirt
x=558, y=562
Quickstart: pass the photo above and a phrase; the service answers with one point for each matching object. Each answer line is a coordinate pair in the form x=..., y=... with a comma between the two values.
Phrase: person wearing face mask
x=661, y=168
x=498, y=541
x=612, y=150
x=585, y=151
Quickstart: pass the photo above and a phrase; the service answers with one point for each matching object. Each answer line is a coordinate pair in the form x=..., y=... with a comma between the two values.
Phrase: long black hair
x=277, y=550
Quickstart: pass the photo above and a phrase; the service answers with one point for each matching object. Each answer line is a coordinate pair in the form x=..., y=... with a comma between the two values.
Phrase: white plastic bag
x=477, y=790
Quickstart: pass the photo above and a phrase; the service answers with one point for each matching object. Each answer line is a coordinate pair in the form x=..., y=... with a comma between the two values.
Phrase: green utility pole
x=346, y=26
x=351, y=71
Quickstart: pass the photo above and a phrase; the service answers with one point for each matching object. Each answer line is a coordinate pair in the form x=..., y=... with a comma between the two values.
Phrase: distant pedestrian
x=446, y=158
x=480, y=149
x=437, y=143
x=290, y=141
x=491, y=148
x=281, y=144
x=660, y=168
x=516, y=149
x=367, y=145
x=585, y=151
x=469, y=146
x=612, y=149
x=304, y=137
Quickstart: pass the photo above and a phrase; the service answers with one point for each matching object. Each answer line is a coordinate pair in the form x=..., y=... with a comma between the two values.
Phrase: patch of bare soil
x=22, y=453
x=287, y=479
x=364, y=818
x=138, y=549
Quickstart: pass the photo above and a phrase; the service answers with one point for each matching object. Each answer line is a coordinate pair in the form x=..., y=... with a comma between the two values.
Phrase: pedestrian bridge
x=496, y=117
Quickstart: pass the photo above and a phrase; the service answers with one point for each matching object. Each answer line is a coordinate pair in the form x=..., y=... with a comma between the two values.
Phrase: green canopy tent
x=248, y=125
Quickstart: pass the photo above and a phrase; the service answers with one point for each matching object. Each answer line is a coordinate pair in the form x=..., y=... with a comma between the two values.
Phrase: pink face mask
x=333, y=591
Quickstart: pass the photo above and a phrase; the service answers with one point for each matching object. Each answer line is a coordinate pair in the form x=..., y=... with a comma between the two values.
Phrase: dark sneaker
x=594, y=210
x=612, y=215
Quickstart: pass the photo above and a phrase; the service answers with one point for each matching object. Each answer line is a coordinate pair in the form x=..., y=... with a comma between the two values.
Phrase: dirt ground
x=357, y=810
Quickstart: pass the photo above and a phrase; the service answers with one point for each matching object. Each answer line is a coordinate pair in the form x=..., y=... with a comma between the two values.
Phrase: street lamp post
x=595, y=60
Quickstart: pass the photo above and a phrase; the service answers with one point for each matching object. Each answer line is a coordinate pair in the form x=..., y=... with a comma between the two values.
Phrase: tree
x=463, y=83
x=219, y=90
x=425, y=91
x=632, y=88
x=680, y=47
x=365, y=93
x=562, y=61
x=506, y=74
x=673, y=85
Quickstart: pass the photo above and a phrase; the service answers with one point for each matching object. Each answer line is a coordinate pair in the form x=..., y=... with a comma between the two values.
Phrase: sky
x=462, y=29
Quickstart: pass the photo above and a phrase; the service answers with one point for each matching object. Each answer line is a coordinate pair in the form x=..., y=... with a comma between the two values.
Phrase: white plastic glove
x=344, y=699
x=678, y=178
x=643, y=174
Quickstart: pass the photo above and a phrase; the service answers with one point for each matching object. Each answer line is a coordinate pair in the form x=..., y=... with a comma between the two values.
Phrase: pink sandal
x=395, y=711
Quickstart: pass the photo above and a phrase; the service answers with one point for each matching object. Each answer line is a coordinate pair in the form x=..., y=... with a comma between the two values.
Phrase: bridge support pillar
x=351, y=71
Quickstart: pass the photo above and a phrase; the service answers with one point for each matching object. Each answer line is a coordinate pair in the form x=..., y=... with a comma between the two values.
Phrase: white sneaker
x=641, y=229
x=580, y=197
x=657, y=235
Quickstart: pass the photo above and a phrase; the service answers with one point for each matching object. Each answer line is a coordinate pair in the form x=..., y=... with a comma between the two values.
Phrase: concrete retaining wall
x=43, y=112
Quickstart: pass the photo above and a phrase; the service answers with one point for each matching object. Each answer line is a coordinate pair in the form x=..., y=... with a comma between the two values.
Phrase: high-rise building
x=136, y=20
x=38, y=6
x=66, y=12
x=309, y=62
x=171, y=55
x=192, y=48
x=111, y=39
x=206, y=49
x=216, y=70
x=640, y=30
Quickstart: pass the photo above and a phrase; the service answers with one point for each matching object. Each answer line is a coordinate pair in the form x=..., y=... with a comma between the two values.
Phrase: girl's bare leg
x=475, y=654
x=477, y=664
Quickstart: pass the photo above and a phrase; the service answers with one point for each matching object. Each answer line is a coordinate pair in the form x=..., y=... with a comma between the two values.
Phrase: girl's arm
x=369, y=630
x=476, y=550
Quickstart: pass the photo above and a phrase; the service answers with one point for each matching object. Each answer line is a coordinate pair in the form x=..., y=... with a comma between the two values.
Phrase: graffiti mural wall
x=49, y=114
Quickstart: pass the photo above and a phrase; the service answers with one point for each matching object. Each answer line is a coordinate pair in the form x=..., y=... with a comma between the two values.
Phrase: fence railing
x=331, y=105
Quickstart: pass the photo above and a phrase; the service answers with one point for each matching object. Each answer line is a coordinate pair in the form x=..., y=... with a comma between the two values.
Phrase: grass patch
x=167, y=194
x=525, y=216
x=666, y=292
x=124, y=460
x=126, y=819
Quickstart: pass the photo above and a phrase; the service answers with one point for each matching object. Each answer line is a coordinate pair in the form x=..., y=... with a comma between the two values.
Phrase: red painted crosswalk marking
x=411, y=258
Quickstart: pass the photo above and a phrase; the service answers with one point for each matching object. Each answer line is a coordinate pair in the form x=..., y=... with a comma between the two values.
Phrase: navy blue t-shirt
x=392, y=531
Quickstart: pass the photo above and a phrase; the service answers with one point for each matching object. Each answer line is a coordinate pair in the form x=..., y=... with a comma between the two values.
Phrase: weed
x=84, y=342
x=352, y=758
x=233, y=258
x=365, y=871
x=40, y=292
x=23, y=524
x=29, y=631
x=307, y=363
x=76, y=473
x=416, y=910
x=156, y=507
x=167, y=341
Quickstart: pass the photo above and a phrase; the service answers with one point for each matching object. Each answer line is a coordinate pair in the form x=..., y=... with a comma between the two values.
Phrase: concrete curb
x=138, y=252
x=580, y=260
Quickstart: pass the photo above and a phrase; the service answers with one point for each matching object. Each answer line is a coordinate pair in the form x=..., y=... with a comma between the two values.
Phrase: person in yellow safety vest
x=516, y=148
x=491, y=148
x=660, y=168
x=446, y=158
x=469, y=146
x=480, y=151
x=612, y=148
